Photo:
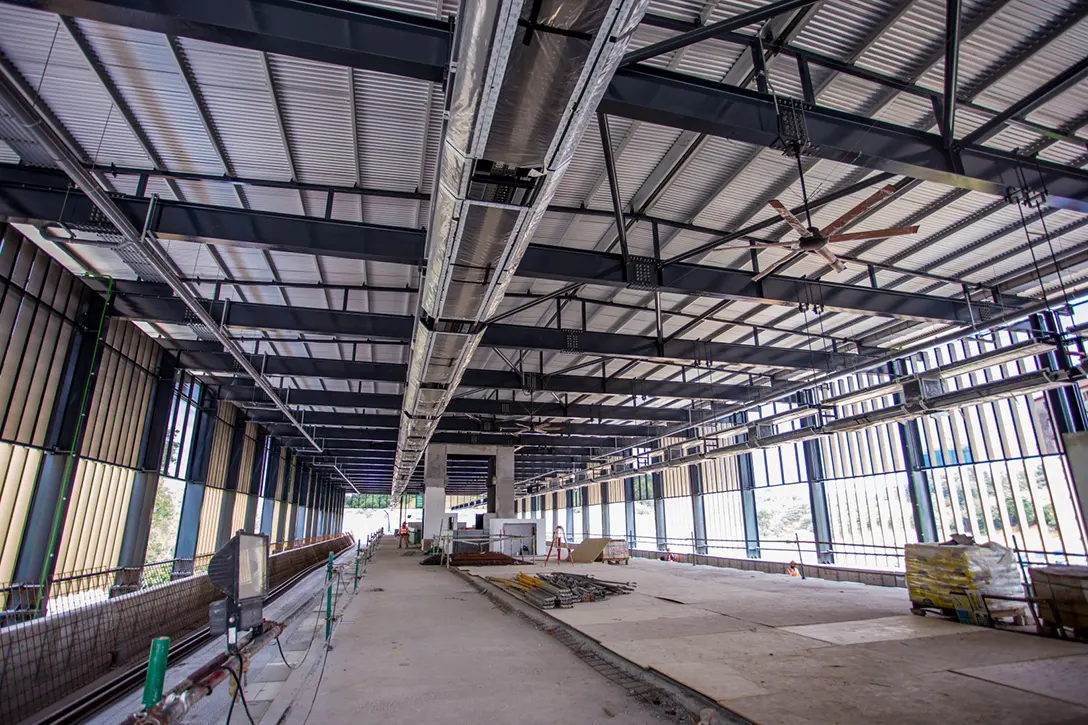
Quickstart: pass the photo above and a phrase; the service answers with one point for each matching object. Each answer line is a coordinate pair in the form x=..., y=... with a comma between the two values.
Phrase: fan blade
x=858, y=210
x=789, y=217
x=756, y=245
x=875, y=234
x=832, y=261
x=775, y=265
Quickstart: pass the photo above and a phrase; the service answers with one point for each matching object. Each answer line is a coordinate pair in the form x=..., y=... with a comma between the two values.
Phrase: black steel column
x=267, y=489
x=193, y=499
x=585, y=511
x=606, y=519
x=698, y=513
x=231, y=480
x=817, y=496
x=746, y=474
x=254, y=487
x=925, y=522
x=657, y=481
x=629, y=511
x=1066, y=402
x=44, y=528
x=145, y=484
x=569, y=526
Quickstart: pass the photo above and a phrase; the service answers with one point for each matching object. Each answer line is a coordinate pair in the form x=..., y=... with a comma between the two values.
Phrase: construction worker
x=402, y=534
x=792, y=569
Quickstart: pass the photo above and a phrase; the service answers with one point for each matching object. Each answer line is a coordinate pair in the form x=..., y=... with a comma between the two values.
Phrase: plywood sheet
x=588, y=551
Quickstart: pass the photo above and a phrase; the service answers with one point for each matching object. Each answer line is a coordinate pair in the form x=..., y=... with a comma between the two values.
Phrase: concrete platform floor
x=784, y=651
x=419, y=645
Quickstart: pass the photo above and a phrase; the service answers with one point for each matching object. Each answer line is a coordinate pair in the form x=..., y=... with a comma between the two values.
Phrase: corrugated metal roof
x=359, y=127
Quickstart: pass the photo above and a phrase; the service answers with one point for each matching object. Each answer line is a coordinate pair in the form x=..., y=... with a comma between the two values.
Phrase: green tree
x=164, y=528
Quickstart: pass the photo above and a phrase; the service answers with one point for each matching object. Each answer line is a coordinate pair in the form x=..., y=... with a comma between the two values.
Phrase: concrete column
x=500, y=488
x=434, y=492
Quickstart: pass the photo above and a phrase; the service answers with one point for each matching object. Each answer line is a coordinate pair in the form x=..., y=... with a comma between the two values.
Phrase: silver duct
x=526, y=80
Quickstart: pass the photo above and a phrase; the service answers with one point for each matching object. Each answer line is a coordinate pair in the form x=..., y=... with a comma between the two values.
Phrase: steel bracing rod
x=714, y=30
x=35, y=124
x=562, y=291
x=1072, y=76
x=614, y=189
x=951, y=70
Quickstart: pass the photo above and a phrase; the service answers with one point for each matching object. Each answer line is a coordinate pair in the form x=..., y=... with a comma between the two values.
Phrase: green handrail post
x=328, y=600
x=156, y=671
x=358, y=551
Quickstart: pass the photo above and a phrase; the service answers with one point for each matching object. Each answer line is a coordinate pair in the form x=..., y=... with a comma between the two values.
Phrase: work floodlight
x=240, y=570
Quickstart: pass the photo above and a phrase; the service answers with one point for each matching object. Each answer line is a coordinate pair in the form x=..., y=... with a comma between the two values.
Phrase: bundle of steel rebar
x=523, y=587
x=586, y=588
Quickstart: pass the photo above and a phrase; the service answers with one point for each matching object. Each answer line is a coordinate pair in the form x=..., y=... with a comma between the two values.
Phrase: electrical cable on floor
x=325, y=658
x=238, y=692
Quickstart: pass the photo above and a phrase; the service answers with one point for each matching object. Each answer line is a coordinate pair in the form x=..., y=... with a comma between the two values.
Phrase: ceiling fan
x=519, y=427
x=815, y=241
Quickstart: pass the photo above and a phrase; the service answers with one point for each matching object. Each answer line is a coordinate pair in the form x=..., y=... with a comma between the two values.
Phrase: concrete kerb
x=671, y=697
x=282, y=709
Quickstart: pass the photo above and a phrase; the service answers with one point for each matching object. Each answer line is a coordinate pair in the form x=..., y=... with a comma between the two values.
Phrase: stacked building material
x=1064, y=591
x=526, y=588
x=940, y=575
x=546, y=591
x=587, y=588
x=482, y=558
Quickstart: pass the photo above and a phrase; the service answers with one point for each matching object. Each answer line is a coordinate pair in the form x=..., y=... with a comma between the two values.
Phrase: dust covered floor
x=784, y=651
x=419, y=645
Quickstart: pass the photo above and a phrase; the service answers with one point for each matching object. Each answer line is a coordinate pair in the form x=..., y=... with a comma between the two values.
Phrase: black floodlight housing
x=240, y=570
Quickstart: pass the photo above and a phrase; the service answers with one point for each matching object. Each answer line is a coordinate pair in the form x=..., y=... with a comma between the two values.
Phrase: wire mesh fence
x=92, y=622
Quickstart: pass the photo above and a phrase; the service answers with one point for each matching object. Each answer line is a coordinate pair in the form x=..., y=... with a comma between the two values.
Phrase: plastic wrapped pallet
x=1065, y=589
x=935, y=571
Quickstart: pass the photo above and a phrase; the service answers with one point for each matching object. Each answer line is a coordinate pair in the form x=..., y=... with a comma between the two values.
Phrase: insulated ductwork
x=526, y=79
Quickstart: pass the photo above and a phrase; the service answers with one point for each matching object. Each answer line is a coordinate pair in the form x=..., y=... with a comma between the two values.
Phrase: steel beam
x=148, y=301
x=37, y=194
x=361, y=437
x=473, y=378
x=601, y=268
x=350, y=425
x=342, y=33
x=947, y=122
x=1072, y=76
x=671, y=99
x=714, y=30
x=468, y=406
